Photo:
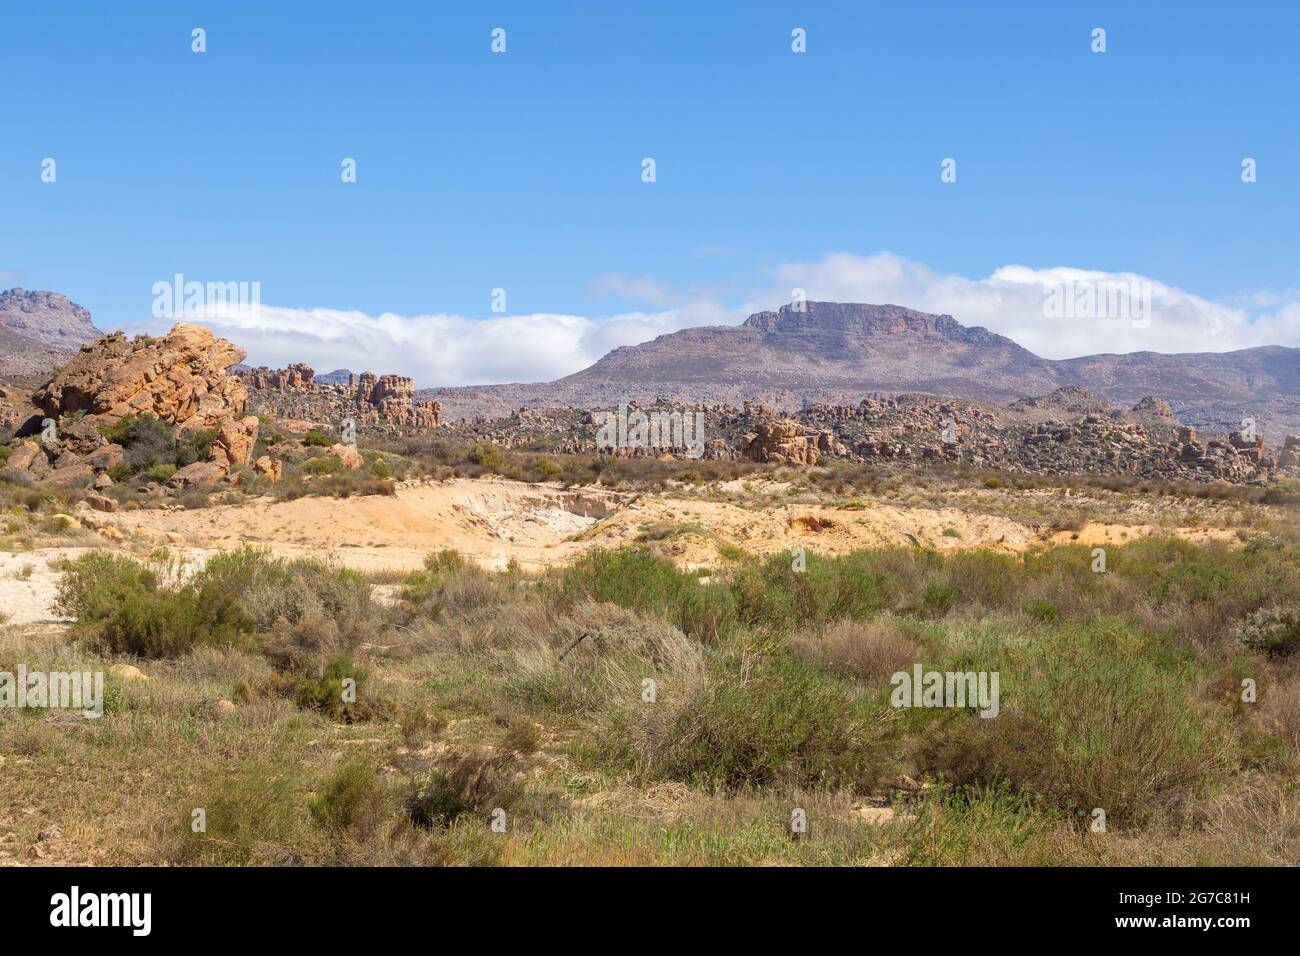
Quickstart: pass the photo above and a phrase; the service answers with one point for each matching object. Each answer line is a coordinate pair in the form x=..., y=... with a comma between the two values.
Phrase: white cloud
x=436, y=349
x=443, y=349
x=1014, y=301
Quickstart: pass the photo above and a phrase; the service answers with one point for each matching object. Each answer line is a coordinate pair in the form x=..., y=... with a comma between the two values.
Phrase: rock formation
x=378, y=402
x=180, y=378
x=780, y=442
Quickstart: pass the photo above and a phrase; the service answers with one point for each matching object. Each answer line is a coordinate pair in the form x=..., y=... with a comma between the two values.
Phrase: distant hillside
x=39, y=330
x=339, y=376
x=838, y=352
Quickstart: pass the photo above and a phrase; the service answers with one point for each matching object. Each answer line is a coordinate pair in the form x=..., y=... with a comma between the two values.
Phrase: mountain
x=839, y=352
x=39, y=330
x=339, y=376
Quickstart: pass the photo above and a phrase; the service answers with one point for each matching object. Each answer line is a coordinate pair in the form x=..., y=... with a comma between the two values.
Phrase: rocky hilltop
x=376, y=403
x=39, y=330
x=832, y=352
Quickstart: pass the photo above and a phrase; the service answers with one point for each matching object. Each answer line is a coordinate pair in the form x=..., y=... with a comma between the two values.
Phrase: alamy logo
x=959, y=689
x=103, y=909
x=657, y=429
x=194, y=300
x=63, y=690
x=1101, y=299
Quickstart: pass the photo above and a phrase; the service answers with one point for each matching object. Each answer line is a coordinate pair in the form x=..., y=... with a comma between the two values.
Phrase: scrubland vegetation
x=622, y=711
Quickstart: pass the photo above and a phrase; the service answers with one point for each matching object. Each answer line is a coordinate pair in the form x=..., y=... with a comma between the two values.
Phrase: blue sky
x=522, y=171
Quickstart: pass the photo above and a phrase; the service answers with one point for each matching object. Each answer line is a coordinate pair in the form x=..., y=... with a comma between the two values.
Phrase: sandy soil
x=494, y=521
x=28, y=582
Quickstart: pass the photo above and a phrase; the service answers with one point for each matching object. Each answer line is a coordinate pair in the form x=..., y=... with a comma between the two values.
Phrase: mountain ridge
x=40, y=329
x=837, y=352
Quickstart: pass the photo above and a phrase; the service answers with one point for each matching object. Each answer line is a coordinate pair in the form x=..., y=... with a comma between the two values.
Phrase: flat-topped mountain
x=830, y=345
x=837, y=352
x=39, y=330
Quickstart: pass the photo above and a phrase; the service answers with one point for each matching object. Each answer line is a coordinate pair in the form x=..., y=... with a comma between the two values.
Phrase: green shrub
x=146, y=439
x=340, y=690
x=122, y=608
x=252, y=815
x=162, y=473
x=194, y=445
x=488, y=456
x=778, y=720
x=301, y=610
x=986, y=826
x=352, y=801
x=638, y=580
x=1092, y=715
x=774, y=594
x=324, y=465
x=317, y=439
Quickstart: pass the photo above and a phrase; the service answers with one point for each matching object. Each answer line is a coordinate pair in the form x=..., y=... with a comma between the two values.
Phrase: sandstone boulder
x=268, y=466
x=348, y=455
x=201, y=474
x=78, y=475
x=781, y=441
x=24, y=453
x=105, y=457
x=180, y=377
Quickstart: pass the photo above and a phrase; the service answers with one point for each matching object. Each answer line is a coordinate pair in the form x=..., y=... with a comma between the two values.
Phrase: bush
x=487, y=455
x=638, y=580
x=317, y=439
x=478, y=781
x=324, y=465
x=873, y=650
x=350, y=802
x=987, y=826
x=146, y=439
x=778, y=721
x=1274, y=631
x=775, y=595
x=302, y=611
x=122, y=608
x=340, y=690
x=194, y=445
x=1092, y=715
x=253, y=815
x=161, y=473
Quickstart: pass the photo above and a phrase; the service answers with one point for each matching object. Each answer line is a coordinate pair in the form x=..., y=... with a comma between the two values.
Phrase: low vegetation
x=621, y=710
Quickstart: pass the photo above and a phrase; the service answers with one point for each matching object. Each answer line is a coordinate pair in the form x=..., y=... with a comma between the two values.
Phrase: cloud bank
x=447, y=349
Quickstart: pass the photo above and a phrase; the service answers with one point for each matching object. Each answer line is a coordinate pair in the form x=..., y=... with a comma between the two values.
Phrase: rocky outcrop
x=1290, y=455
x=781, y=442
x=382, y=403
x=296, y=378
x=270, y=467
x=180, y=378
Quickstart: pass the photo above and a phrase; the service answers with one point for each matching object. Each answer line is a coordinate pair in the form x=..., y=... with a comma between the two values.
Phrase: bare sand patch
x=29, y=583
x=494, y=521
